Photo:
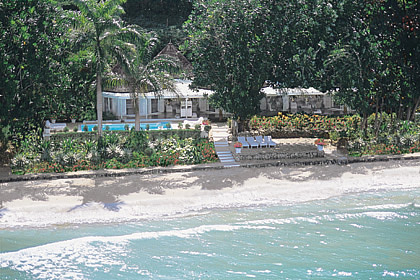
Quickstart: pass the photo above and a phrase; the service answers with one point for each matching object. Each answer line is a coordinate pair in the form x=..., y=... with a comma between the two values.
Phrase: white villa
x=184, y=103
x=192, y=103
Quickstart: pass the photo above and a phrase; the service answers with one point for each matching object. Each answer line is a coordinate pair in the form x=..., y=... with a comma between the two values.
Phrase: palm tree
x=98, y=25
x=145, y=73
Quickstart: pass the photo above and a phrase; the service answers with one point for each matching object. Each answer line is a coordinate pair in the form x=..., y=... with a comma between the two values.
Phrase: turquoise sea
x=372, y=234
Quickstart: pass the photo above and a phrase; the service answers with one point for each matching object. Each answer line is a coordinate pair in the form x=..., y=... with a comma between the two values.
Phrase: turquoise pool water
x=121, y=126
x=367, y=235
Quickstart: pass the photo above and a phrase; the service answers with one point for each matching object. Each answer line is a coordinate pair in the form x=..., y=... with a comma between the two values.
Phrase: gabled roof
x=173, y=51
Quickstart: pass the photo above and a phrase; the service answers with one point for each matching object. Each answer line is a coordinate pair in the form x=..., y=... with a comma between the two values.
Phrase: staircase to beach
x=220, y=138
x=287, y=151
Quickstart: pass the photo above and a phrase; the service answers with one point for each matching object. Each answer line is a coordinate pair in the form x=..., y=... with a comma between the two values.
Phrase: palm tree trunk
x=99, y=101
x=137, y=112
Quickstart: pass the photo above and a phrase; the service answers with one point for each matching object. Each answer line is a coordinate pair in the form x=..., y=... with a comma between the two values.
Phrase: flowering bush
x=320, y=142
x=303, y=122
x=238, y=145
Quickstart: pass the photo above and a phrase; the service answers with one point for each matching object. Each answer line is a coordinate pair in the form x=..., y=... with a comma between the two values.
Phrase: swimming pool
x=121, y=126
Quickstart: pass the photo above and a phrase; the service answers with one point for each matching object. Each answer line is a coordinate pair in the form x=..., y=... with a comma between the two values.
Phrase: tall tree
x=31, y=48
x=98, y=23
x=226, y=42
x=375, y=61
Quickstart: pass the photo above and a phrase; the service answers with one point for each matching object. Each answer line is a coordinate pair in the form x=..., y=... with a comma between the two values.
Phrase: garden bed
x=383, y=134
x=114, y=150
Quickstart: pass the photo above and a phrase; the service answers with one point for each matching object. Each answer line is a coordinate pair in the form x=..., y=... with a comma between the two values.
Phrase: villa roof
x=183, y=90
x=171, y=50
x=269, y=91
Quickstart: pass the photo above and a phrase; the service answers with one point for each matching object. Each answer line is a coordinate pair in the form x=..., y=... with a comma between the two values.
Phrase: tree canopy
x=32, y=46
x=226, y=42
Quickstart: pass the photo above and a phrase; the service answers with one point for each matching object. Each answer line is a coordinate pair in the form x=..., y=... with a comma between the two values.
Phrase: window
x=154, y=105
x=129, y=107
x=107, y=104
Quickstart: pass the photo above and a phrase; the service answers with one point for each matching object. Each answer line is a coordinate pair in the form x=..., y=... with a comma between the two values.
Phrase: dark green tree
x=376, y=57
x=226, y=43
x=31, y=50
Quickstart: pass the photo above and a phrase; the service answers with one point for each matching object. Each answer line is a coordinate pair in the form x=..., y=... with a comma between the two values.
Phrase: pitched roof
x=171, y=50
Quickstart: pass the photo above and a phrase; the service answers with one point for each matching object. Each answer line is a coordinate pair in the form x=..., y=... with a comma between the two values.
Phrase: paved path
x=220, y=134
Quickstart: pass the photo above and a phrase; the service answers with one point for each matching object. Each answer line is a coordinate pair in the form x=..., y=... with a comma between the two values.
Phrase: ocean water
x=364, y=234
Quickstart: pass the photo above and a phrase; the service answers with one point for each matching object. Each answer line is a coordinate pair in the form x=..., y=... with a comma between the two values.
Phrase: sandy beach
x=137, y=197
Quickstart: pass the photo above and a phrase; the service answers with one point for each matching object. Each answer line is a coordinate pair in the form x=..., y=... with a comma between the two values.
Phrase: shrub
x=109, y=116
x=137, y=140
x=20, y=161
x=75, y=129
x=168, y=125
x=126, y=127
x=148, y=151
x=197, y=127
x=147, y=127
x=85, y=128
x=95, y=128
x=187, y=126
x=207, y=128
x=180, y=125
x=66, y=129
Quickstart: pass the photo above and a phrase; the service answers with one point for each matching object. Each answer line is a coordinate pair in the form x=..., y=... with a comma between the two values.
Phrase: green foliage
x=31, y=49
x=228, y=48
x=145, y=73
x=112, y=150
x=375, y=57
x=103, y=31
x=137, y=140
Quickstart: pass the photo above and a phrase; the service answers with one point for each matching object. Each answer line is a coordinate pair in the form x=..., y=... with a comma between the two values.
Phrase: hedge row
x=153, y=134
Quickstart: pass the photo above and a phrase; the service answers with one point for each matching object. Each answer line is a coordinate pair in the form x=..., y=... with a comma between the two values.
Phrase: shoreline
x=137, y=197
x=329, y=159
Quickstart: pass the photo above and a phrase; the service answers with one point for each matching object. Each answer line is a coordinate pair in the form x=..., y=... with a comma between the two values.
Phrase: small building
x=295, y=100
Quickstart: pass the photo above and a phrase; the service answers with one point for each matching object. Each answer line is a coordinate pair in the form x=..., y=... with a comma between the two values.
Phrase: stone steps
x=221, y=144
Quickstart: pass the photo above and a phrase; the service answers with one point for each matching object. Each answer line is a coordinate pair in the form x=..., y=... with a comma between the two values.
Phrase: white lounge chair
x=252, y=142
x=261, y=141
x=242, y=140
x=269, y=141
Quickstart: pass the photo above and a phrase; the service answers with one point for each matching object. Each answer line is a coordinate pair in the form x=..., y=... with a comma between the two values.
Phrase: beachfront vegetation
x=131, y=149
x=367, y=53
x=386, y=134
x=54, y=54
